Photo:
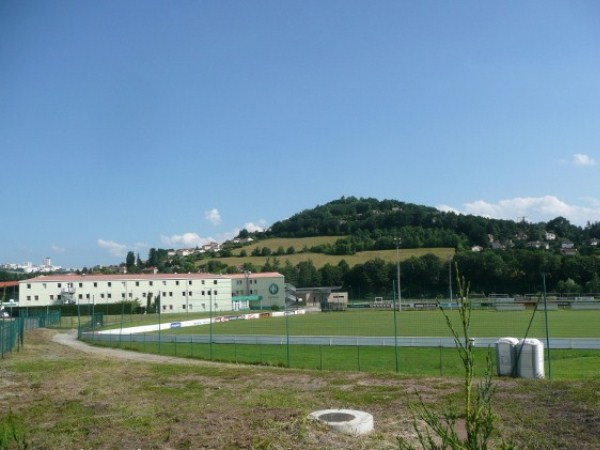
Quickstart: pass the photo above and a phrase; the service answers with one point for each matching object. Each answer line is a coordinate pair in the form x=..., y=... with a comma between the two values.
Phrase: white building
x=196, y=292
x=258, y=290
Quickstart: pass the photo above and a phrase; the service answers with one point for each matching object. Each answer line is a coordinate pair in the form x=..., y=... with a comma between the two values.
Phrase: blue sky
x=126, y=125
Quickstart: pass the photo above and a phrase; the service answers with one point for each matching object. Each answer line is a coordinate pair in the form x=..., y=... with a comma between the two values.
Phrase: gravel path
x=69, y=339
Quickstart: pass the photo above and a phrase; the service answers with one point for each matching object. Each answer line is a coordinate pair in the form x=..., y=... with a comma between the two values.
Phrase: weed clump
x=478, y=425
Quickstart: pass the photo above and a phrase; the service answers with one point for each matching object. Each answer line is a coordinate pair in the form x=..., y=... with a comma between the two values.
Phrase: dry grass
x=65, y=398
x=320, y=259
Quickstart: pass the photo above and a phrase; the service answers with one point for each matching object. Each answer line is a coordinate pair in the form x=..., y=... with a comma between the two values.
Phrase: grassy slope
x=62, y=398
x=320, y=259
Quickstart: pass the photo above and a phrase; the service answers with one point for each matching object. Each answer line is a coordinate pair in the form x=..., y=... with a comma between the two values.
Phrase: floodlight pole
x=398, y=241
x=210, y=322
x=395, y=329
x=450, y=277
x=547, y=328
x=158, y=307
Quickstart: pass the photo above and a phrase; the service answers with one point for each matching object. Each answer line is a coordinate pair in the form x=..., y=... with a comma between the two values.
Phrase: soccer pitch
x=484, y=323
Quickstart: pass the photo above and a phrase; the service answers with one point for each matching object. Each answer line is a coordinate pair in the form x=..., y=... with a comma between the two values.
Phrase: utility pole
x=398, y=241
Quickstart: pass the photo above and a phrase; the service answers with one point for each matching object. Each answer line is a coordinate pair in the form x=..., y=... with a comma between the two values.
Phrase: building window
x=137, y=283
x=101, y=295
x=80, y=296
x=171, y=294
x=190, y=293
x=143, y=294
x=151, y=283
x=87, y=296
x=203, y=305
x=171, y=307
x=183, y=306
x=123, y=295
x=51, y=297
x=177, y=283
x=80, y=284
x=95, y=284
x=130, y=294
x=202, y=281
x=29, y=298
x=109, y=284
x=190, y=282
x=109, y=295
x=164, y=283
x=59, y=285
x=36, y=298
x=183, y=293
x=28, y=286
x=44, y=284
x=214, y=281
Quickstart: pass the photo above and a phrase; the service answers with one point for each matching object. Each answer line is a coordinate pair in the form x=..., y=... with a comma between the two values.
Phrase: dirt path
x=69, y=339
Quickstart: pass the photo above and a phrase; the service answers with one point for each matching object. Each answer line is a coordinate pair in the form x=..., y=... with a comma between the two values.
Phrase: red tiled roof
x=72, y=278
x=254, y=275
x=5, y=284
x=123, y=277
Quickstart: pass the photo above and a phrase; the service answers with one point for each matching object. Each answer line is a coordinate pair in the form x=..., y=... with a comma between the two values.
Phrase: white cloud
x=253, y=227
x=191, y=239
x=120, y=250
x=213, y=216
x=114, y=248
x=535, y=209
x=185, y=240
x=57, y=248
x=580, y=159
x=448, y=208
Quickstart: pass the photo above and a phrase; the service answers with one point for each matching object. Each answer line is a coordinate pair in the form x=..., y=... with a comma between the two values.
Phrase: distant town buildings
x=210, y=247
x=28, y=267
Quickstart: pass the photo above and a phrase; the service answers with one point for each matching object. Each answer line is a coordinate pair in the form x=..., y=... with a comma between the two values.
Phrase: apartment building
x=196, y=292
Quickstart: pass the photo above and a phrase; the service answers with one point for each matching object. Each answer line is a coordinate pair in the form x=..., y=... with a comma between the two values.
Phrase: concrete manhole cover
x=348, y=421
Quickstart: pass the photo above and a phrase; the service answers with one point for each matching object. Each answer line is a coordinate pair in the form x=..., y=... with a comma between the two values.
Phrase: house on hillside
x=538, y=245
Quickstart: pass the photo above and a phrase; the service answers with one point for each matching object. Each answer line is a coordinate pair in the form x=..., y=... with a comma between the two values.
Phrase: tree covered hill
x=511, y=255
x=375, y=224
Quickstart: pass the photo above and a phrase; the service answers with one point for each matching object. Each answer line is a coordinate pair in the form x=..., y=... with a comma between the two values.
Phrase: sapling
x=442, y=431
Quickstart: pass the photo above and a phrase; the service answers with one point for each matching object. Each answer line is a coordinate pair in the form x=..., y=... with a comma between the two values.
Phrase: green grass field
x=564, y=364
x=411, y=361
x=484, y=323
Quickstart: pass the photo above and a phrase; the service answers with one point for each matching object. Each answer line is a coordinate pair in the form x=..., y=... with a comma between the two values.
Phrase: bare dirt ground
x=59, y=393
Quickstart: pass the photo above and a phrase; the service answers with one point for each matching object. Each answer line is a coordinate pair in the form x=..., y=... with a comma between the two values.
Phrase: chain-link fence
x=378, y=335
x=12, y=329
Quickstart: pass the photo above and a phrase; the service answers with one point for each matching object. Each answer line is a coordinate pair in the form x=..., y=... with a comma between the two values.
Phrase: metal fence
x=412, y=339
x=12, y=329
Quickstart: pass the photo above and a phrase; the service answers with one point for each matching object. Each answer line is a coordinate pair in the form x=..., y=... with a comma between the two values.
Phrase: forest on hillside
x=511, y=257
x=495, y=256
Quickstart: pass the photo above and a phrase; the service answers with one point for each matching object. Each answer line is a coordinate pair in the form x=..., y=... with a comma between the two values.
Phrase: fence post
x=320, y=357
x=395, y=327
x=287, y=332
